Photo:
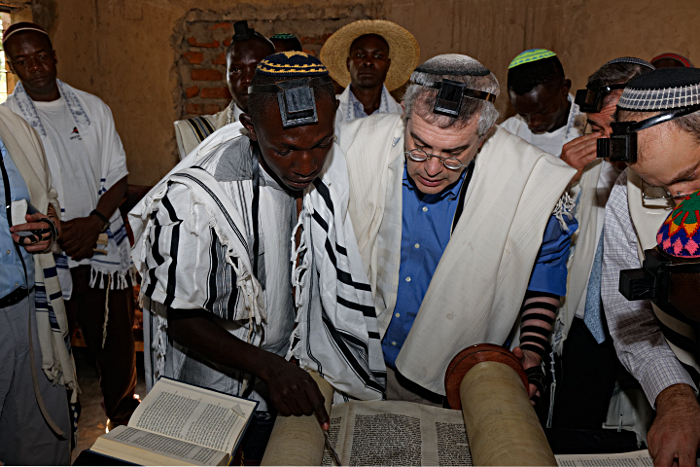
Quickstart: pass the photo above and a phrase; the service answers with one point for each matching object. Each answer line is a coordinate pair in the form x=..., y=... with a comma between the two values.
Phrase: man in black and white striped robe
x=215, y=250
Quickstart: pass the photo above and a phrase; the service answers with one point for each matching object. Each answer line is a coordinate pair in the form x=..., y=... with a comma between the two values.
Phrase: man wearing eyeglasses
x=656, y=134
x=584, y=345
x=456, y=228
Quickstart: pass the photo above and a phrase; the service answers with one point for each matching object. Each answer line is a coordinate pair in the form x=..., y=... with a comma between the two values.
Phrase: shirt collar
x=357, y=110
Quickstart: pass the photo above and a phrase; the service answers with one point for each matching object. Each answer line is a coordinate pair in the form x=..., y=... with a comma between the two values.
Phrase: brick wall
x=201, y=50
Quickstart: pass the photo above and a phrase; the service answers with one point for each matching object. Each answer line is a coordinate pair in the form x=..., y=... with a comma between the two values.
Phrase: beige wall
x=125, y=50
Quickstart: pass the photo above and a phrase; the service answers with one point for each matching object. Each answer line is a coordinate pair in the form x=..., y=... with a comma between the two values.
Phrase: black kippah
x=662, y=89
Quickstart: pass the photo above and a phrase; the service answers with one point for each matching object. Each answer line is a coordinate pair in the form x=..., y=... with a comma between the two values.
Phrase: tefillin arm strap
x=296, y=99
x=450, y=94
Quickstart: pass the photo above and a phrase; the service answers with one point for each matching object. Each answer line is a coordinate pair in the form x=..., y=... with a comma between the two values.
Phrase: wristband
x=106, y=222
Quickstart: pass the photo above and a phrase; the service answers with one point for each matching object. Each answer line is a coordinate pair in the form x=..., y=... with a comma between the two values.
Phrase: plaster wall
x=127, y=51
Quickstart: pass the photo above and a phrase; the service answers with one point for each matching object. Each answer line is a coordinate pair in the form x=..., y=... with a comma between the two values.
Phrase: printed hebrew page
x=193, y=414
x=625, y=459
x=397, y=433
x=145, y=448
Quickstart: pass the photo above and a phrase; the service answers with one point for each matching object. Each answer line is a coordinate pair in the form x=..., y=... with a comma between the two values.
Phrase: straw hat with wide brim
x=403, y=50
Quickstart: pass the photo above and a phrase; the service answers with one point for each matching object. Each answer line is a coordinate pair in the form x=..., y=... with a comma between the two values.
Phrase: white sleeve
x=113, y=155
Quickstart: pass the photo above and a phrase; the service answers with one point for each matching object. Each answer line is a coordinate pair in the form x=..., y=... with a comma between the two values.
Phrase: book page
x=626, y=459
x=146, y=448
x=193, y=414
x=397, y=433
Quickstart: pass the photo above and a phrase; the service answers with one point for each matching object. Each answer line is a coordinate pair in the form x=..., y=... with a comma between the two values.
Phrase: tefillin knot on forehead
x=296, y=99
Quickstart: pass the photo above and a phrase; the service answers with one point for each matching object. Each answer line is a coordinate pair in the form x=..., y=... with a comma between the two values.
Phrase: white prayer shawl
x=647, y=217
x=349, y=349
x=192, y=131
x=94, y=120
x=574, y=128
x=24, y=146
x=478, y=287
x=336, y=333
x=346, y=113
x=585, y=241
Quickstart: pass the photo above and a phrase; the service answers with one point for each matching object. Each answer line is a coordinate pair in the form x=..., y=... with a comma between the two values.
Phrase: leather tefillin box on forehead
x=590, y=100
x=450, y=92
x=296, y=97
x=674, y=92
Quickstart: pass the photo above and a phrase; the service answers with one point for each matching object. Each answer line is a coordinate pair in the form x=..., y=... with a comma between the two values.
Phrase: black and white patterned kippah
x=633, y=61
x=662, y=89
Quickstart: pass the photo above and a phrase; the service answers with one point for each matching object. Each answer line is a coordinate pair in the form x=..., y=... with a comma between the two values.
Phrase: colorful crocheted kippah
x=679, y=234
x=282, y=36
x=291, y=63
x=531, y=55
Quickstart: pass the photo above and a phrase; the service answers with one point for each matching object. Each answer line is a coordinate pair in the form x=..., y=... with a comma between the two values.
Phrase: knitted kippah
x=676, y=57
x=633, y=61
x=679, y=235
x=291, y=63
x=454, y=65
x=531, y=55
x=662, y=89
x=283, y=36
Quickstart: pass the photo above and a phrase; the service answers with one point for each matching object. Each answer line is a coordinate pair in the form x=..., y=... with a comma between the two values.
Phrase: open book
x=404, y=433
x=180, y=424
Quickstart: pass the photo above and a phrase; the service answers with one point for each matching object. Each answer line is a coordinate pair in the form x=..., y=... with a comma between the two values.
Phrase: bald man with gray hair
x=463, y=227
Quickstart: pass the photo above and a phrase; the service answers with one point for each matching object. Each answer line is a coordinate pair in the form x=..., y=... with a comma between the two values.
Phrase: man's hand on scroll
x=538, y=314
x=529, y=359
x=293, y=391
x=674, y=437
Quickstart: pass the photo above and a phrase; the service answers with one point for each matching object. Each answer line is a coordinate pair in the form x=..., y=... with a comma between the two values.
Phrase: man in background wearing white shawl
x=456, y=229
x=88, y=168
x=215, y=248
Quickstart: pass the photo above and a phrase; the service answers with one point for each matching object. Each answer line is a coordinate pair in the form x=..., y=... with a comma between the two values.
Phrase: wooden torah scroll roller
x=488, y=383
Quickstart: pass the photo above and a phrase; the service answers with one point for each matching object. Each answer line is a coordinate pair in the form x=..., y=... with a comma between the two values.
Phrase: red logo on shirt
x=75, y=131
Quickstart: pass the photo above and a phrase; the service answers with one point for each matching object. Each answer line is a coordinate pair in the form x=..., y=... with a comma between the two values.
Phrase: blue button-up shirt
x=426, y=229
x=11, y=272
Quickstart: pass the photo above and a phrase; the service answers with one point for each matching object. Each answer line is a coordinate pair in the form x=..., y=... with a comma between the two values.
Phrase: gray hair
x=420, y=100
x=617, y=71
x=689, y=123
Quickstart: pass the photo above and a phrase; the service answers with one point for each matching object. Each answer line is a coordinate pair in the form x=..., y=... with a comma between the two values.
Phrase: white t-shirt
x=79, y=171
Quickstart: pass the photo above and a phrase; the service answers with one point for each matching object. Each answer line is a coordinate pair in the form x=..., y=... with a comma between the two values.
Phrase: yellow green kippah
x=291, y=63
x=531, y=55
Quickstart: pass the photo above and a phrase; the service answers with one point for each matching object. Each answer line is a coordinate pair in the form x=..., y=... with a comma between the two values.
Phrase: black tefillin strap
x=296, y=99
x=450, y=94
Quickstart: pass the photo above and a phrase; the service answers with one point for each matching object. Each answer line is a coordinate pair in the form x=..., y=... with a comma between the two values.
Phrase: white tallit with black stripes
x=194, y=250
x=336, y=333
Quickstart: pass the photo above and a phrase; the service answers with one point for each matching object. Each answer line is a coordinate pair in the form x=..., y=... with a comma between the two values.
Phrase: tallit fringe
x=565, y=207
x=159, y=344
x=112, y=280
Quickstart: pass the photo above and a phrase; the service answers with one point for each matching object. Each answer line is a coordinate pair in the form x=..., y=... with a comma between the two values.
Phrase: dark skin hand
x=544, y=108
x=674, y=437
x=79, y=235
x=33, y=60
x=292, y=390
x=241, y=60
x=368, y=64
